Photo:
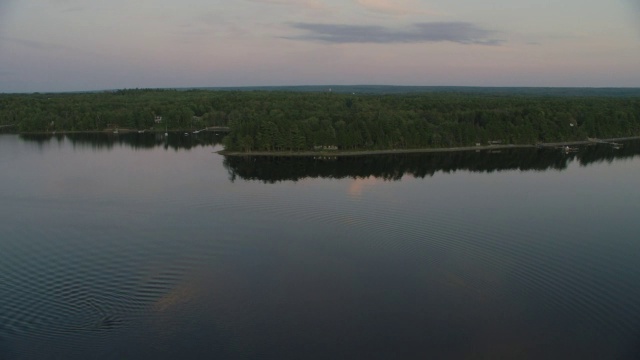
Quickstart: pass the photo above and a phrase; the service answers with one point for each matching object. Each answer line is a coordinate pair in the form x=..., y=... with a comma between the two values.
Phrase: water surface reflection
x=395, y=167
x=130, y=247
x=134, y=140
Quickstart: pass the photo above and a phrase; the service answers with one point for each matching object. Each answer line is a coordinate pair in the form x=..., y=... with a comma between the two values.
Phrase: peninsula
x=332, y=122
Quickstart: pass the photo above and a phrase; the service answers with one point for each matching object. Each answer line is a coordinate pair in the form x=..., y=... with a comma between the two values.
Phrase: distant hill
x=402, y=89
x=391, y=89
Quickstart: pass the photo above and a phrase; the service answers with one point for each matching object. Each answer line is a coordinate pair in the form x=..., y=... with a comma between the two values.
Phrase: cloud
x=397, y=7
x=68, y=5
x=49, y=48
x=636, y=7
x=457, y=32
x=307, y=4
x=38, y=45
x=5, y=7
x=74, y=9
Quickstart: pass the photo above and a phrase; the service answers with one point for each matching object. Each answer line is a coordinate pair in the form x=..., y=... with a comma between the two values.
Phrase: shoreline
x=425, y=150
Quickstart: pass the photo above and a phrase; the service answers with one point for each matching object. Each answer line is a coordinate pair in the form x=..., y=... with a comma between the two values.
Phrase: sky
x=77, y=45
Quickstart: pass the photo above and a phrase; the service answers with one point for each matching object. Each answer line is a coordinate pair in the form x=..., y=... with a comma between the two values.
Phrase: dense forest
x=299, y=121
x=123, y=109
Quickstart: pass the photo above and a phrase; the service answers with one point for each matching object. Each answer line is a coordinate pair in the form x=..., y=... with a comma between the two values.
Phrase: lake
x=137, y=246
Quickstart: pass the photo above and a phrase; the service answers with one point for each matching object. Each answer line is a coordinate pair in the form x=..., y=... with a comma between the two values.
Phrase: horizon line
x=329, y=88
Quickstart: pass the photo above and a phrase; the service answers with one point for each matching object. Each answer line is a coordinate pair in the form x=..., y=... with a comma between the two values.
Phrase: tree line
x=302, y=121
x=124, y=109
x=435, y=120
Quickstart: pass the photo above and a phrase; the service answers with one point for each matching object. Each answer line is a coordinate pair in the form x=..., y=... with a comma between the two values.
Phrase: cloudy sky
x=70, y=45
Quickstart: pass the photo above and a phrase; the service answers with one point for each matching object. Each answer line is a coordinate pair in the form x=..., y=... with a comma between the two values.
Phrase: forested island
x=333, y=121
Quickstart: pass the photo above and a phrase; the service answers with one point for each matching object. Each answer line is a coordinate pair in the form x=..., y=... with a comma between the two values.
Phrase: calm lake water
x=135, y=246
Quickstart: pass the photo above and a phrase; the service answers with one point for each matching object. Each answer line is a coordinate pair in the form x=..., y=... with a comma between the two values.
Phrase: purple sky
x=69, y=45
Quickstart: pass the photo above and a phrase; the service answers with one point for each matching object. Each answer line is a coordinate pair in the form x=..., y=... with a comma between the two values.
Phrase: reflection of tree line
x=176, y=141
x=394, y=167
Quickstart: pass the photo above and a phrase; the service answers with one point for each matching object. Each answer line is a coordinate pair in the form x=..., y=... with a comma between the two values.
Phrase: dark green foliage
x=128, y=109
x=312, y=121
x=296, y=121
